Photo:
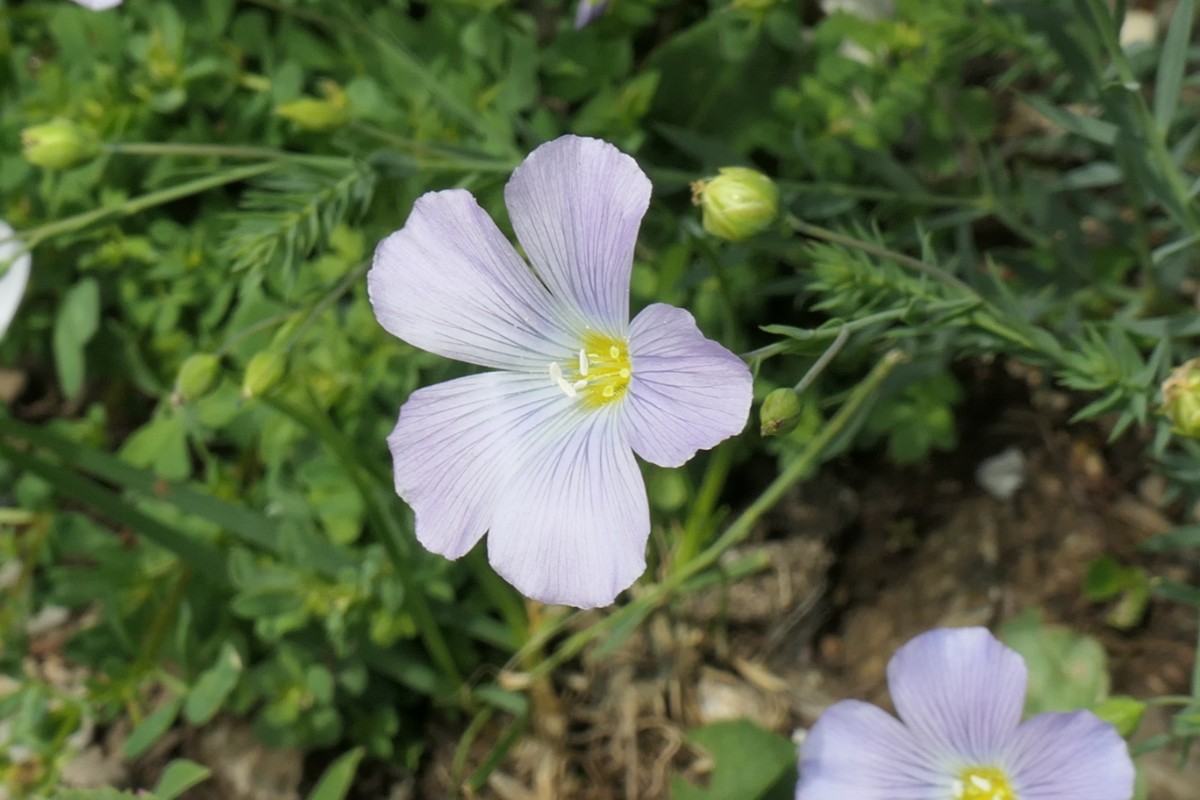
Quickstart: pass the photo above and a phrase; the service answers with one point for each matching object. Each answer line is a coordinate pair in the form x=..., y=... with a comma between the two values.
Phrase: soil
x=863, y=558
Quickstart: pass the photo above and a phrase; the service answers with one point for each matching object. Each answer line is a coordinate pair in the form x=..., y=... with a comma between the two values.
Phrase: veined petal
x=960, y=691
x=1074, y=756
x=456, y=448
x=857, y=751
x=576, y=205
x=572, y=526
x=14, y=274
x=687, y=392
x=450, y=283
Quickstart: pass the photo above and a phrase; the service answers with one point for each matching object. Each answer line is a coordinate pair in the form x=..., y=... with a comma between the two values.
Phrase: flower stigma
x=983, y=783
x=599, y=375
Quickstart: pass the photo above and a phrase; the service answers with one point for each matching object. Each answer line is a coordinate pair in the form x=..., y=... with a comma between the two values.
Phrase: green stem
x=197, y=150
x=35, y=236
x=803, y=465
x=700, y=519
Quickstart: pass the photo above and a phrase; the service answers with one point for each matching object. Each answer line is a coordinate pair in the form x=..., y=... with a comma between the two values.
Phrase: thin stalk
x=700, y=520
x=35, y=236
x=821, y=363
x=803, y=465
x=189, y=150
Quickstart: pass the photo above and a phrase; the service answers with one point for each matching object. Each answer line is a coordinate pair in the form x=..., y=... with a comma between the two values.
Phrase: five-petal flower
x=540, y=453
x=959, y=693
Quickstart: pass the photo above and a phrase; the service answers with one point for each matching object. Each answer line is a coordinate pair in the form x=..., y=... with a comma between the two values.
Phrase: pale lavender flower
x=540, y=453
x=99, y=5
x=14, y=274
x=588, y=11
x=959, y=693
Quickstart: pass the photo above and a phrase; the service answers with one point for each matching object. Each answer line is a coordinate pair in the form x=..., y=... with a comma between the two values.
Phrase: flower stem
x=626, y=617
x=188, y=149
x=35, y=236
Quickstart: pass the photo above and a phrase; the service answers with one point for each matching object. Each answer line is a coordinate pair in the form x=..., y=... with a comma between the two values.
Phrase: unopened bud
x=737, y=204
x=57, y=144
x=318, y=114
x=196, y=376
x=780, y=412
x=265, y=370
x=1181, y=398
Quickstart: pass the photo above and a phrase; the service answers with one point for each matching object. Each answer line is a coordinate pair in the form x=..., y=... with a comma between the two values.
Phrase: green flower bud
x=1123, y=713
x=753, y=5
x=316, y=114
x=1181, y=398
x=57, y=144
x=780, y=412
x=196, y=376
x=265, y=370
x=737, y=204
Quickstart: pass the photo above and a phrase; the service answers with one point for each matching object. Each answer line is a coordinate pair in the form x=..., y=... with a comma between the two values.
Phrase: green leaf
x=214, y=686
x=1186, y=537
x=76, y=323
x=179, y=776
x=749, y=762
x=1123, y=713
x=152, y=728
x=335, y=781
x=1067, y=670
x=1169, y=80
x=1096, y=130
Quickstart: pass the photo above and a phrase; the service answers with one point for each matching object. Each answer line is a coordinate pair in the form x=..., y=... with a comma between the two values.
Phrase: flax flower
x=539, y=452
x=588, y=11
x=959, y=693
x=14, y=274
x=99, y=5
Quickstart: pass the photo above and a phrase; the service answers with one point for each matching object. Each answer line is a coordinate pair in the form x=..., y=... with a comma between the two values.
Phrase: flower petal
x=688, y=393
x=1074, y=756
x=453, y=451
x=858, y=751
x=576, y=205
x=14, y=274
x=450, y=283
x=99, y=5
x=572, y=526
x=960, y=691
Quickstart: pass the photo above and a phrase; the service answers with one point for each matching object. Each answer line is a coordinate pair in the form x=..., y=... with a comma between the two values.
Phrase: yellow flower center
x=983, y=783
x=598, y=375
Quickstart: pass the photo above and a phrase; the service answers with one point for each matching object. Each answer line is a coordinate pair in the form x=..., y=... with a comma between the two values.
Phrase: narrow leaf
x=179, y=776
x=1169, y=81
x=336, y=780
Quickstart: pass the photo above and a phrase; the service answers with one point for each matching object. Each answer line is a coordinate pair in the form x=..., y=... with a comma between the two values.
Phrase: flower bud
x=265, y=370
x=737, y=204
x=753, y=5
x=57, y=144
x=1181, y=398
x=780, y=412
x=311, y=113
x=196, y=376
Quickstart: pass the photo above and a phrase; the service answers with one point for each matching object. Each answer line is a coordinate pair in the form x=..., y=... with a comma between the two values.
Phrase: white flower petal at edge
x=959, y=688
x=450, y=283
x=573, y=527
x=99, y=5
x=688, y=392
x=576, y=205
x=1074, y=755
x=857, y=750
x=14, y=278
x=457, y=448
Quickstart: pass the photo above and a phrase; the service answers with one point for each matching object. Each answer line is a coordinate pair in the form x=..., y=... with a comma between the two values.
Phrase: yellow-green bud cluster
x=196, y=376
x=737, y=204
x=265, y=370
x=318, y=114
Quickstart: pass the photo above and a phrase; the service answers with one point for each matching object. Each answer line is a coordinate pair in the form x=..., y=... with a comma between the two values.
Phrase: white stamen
x=958, y=788
x=981, y=783
x=580, y=384
x=583, y=363
x=556, y=377
x=614, y=352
